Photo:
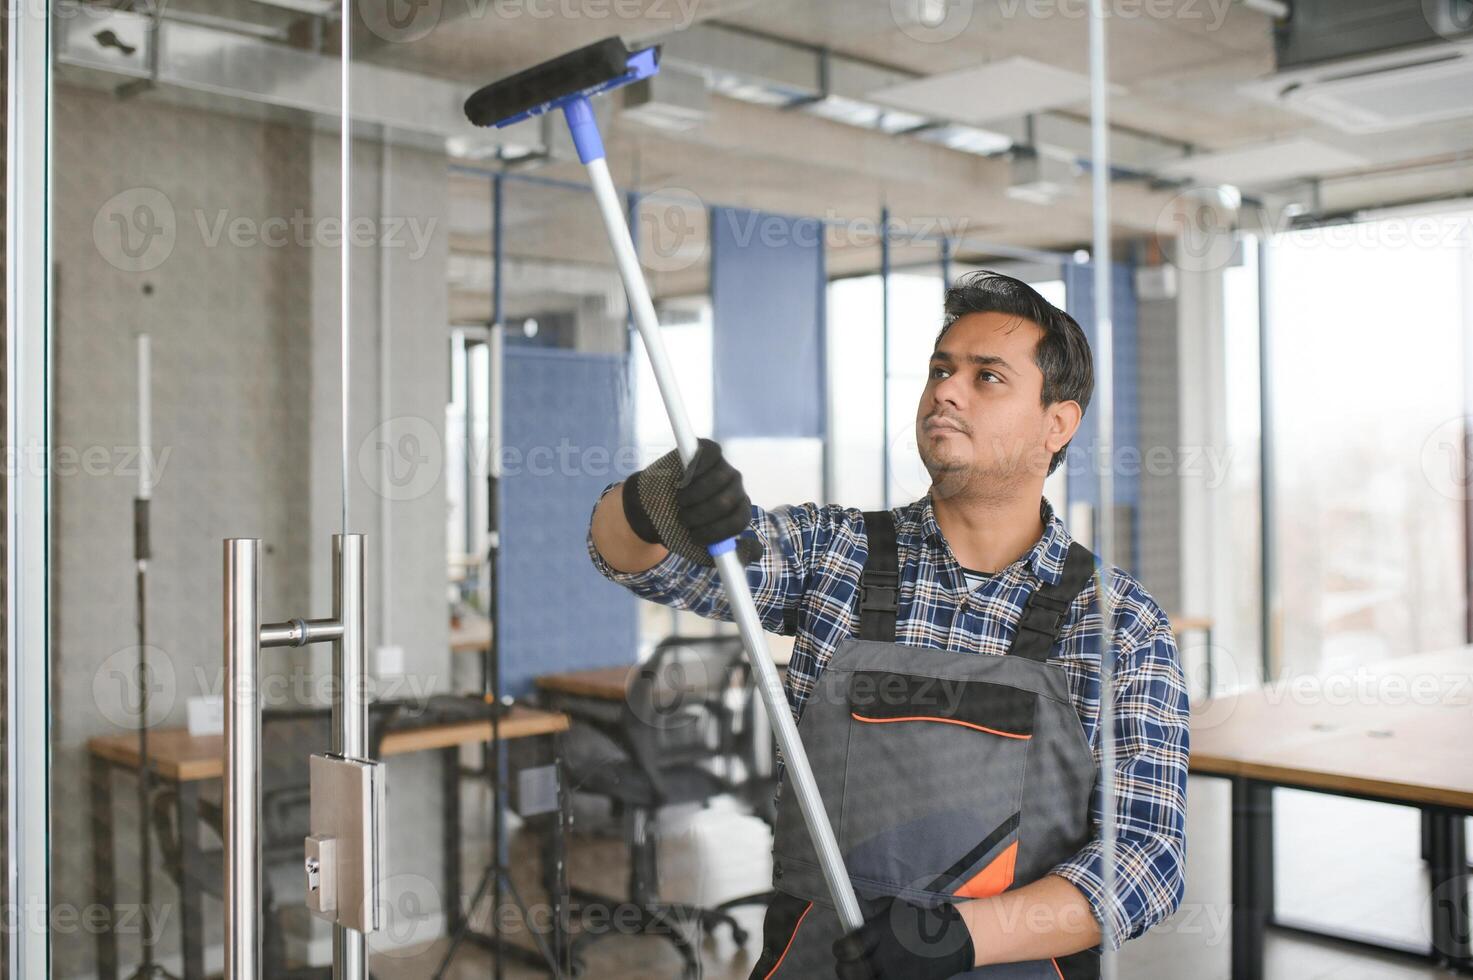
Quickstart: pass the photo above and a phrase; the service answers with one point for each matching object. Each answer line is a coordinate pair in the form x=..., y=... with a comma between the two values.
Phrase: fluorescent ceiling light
x=966, y=139
x=736, y=87
x=852, y=112
x=1263, y=163
x=1000, y=89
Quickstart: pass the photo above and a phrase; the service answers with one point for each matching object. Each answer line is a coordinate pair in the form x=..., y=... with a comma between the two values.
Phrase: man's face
x=981, y=424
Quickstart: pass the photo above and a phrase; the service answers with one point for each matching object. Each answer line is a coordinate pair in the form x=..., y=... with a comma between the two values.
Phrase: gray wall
x=246, y=405
x=1160, y=508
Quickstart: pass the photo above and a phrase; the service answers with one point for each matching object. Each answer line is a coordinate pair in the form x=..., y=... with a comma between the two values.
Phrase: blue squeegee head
x=588, y=71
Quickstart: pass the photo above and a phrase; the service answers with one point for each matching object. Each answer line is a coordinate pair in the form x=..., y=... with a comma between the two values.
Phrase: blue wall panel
x=567, y=434
x=767, y=305
x=1084, y=460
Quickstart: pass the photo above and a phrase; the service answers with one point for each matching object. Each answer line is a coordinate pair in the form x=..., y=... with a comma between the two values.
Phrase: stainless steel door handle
x=327, y=853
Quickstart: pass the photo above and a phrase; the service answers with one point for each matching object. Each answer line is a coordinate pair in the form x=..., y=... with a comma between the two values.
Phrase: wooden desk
x=1183, y=624
x=181, y=757
x=471, y=636
x=1395, y=732
x=598, y=683
x=187, y=761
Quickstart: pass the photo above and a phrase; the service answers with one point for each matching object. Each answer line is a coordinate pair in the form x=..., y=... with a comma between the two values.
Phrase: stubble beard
x=964, y=479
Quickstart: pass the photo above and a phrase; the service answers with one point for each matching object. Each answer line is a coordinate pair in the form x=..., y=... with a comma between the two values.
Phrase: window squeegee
x=568, y=83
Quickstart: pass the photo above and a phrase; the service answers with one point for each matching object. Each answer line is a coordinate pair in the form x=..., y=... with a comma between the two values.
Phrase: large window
x=855, y=376
x=686, y=329
x=1367, y=338
x=1238, y=635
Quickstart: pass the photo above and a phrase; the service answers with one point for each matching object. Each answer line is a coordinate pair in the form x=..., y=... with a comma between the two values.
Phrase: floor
x=1364, y=875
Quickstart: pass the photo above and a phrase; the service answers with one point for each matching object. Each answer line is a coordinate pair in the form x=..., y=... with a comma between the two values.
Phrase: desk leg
x=1252, y=875
x=104, y=875
x=1447, y=854
x=1211, y=670
x=450, y=830
x=191, y=868
x=552, y=838
x=557, y=891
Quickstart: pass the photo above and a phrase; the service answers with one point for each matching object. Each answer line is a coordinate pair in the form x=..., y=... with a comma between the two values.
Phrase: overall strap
x=1044, y=612
x=879, y=583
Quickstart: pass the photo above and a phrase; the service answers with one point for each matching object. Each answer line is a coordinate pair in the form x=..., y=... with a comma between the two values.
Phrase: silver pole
x=27, y=341
x=345, y=204
x=242, y=759
x=349, y=712
x=1105, y=415
x=733, y=578
x=385, y=356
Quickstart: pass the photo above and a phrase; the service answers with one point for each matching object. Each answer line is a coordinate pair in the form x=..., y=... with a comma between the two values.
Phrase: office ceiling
x=1177, y=78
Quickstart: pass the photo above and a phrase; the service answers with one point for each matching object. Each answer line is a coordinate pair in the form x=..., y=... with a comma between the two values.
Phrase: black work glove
x=687, y=509
x=901, y=941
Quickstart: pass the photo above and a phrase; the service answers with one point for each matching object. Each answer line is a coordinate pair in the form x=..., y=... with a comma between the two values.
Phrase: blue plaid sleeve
x=790, y=536
x=1152, y=719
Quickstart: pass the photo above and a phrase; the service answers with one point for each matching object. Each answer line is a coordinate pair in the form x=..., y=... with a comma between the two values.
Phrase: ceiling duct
x=674, y=100
x=1041, y=178
x=235, y=72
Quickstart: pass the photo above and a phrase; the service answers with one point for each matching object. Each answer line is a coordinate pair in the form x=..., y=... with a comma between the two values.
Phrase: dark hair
x=1062, y=354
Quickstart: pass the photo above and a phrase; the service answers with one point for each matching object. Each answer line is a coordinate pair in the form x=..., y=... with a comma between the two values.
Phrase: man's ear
x=1061, y=420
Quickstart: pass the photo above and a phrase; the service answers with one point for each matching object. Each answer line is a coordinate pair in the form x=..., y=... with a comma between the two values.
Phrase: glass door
x=246, y=339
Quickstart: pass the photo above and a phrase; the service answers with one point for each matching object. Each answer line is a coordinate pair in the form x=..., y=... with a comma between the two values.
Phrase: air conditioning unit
x=1380, y=92
x=1367, y=66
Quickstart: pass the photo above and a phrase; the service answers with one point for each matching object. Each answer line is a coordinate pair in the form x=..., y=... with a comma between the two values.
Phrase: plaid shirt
x=807, y=582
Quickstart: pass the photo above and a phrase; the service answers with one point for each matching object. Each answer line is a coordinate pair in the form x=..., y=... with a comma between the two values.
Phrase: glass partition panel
x=1370, y=511
x=197, y=242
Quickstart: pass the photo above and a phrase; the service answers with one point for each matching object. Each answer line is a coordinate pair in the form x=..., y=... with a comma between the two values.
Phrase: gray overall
x=946, y=776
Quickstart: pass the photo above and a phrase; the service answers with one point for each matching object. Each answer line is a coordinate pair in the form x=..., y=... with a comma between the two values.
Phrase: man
x=946, y=675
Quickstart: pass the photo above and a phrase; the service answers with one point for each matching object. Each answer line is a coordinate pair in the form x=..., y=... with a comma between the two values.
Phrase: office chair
x=289, y=737
x=674, y=723
x=708, y=686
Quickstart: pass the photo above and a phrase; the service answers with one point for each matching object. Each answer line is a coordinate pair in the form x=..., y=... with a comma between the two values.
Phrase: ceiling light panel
x=1263, y=163
x=998, y=90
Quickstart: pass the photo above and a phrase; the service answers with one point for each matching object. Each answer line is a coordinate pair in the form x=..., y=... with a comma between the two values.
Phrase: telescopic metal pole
x=733, y=577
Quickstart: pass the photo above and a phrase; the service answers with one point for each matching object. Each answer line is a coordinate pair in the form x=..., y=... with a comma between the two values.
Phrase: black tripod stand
x=496, y=876
x=141, y=554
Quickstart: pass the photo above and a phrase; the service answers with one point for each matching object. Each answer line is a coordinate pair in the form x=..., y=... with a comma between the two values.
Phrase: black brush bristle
x=562, y=76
